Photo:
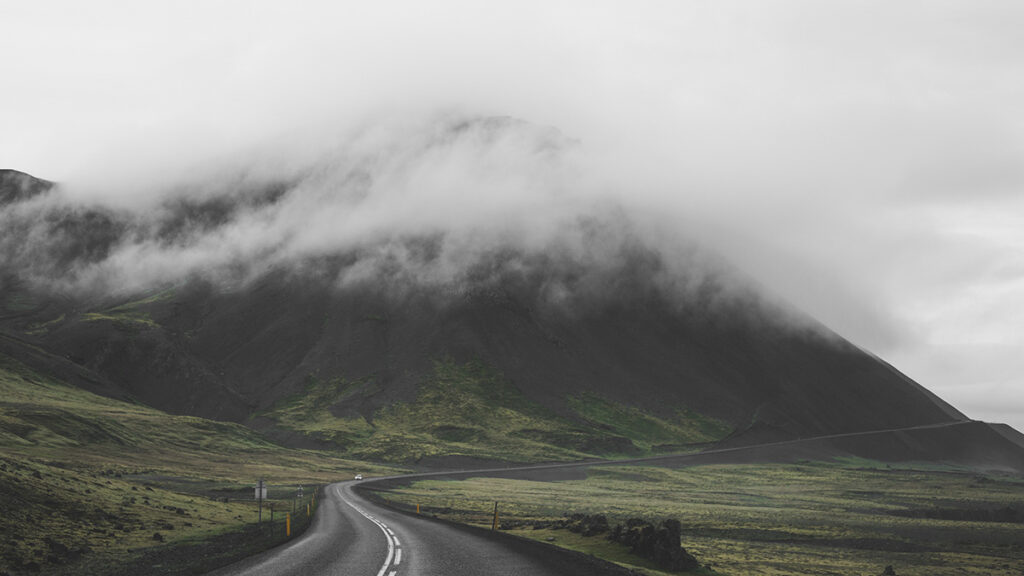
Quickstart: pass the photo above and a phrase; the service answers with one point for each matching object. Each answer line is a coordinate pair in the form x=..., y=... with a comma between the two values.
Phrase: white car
x=359, y=476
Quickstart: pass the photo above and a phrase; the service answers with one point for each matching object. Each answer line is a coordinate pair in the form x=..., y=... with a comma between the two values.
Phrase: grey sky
x=863, y=159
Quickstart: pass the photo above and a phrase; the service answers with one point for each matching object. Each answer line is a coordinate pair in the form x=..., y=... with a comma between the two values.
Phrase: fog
x=444, y=205
x=860, y=159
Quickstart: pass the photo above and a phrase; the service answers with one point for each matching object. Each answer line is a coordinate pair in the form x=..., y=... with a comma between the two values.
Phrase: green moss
x=131, y=314
x=309, y=412
x=462, y=409
x=645, y=429
x=136, y=319
x=468, y=409
x=459, y=410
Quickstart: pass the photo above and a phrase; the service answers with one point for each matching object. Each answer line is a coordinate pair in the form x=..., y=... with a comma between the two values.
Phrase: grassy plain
x=851, y=518
x=95, y=483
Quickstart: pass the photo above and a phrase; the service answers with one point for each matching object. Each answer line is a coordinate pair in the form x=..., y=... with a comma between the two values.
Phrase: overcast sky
x=863, y=159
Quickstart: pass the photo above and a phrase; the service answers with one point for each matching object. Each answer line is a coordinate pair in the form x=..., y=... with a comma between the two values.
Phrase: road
x=352, y=536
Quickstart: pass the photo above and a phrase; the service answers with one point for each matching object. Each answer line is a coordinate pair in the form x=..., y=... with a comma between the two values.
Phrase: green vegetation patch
x=128, y=319
x=467, y=409
x=814, y=518
x=88, y=483
x=309, y=412
x=460, y=410
x=131, y=314
x=646, y=430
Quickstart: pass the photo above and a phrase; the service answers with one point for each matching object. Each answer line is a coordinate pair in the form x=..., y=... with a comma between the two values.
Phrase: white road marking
x=383, y=528
x=398, y=556
x=397, y=543
x=392, y=573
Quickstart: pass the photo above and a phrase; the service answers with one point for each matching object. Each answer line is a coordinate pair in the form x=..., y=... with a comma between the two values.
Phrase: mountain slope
x=86, y=481
x=599, y=357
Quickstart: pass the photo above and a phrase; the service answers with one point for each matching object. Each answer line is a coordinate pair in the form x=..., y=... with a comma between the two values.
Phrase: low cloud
x=451, y=203
x=859, y=159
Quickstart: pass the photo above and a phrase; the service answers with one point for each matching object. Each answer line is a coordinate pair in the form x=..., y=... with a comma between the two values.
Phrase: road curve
x=352, y=536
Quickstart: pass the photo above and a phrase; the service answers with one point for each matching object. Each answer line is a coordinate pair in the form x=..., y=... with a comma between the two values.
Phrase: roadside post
x=261, y=494
x=494, y=524
x=288, y=525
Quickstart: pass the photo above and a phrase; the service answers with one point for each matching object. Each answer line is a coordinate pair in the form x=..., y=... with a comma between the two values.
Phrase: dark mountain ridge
x=556, y=330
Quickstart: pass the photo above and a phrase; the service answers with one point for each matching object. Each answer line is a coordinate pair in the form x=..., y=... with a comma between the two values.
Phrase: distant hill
x=16, y=186
x=493, y=368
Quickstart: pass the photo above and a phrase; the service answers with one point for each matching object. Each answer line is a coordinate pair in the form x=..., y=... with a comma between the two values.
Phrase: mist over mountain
x=754, y=269
x=445, y=205
x=364, y=281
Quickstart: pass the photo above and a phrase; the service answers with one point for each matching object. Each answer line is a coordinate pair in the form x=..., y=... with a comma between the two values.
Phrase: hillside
x=87, y=480
x=617, y=364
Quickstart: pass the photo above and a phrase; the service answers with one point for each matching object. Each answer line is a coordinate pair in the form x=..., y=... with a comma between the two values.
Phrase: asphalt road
x=352, y=536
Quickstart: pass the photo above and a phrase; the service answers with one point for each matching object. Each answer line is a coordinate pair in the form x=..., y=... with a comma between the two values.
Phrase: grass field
x=851, y=518
x=91, y=482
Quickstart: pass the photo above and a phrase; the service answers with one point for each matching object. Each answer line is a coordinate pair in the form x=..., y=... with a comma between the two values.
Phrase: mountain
x=16, y=186
x=529, y=355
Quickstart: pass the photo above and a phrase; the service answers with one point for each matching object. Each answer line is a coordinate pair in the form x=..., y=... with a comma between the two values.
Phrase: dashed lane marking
x=388, y=535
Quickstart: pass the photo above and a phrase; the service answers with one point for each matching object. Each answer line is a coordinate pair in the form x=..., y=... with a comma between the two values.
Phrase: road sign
x=261, y=490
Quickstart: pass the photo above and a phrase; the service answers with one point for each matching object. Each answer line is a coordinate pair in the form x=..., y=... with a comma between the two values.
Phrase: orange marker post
x=288, y=525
